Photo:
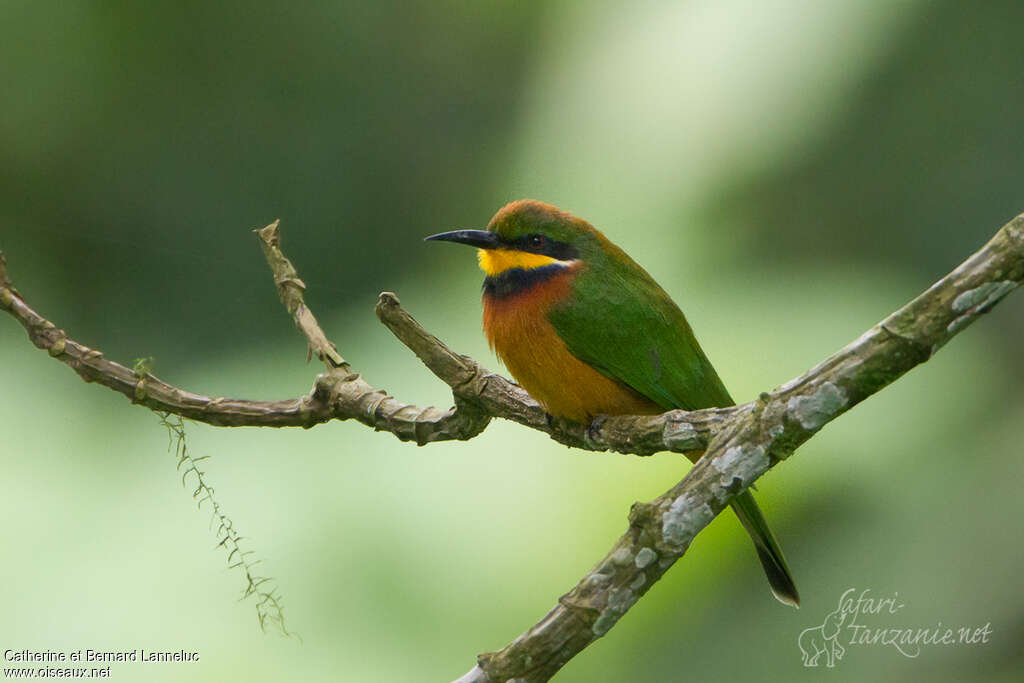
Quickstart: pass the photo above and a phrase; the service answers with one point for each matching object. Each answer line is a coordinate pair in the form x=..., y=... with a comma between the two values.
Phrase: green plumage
x=617, y=320
x=622, y=323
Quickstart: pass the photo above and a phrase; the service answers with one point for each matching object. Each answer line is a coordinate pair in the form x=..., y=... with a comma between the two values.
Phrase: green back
x=620, y=321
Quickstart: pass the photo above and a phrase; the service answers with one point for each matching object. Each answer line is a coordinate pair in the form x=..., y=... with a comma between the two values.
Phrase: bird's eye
x=536, y=240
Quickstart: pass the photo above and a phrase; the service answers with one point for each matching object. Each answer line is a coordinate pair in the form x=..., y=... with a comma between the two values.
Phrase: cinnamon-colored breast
x=518, y=330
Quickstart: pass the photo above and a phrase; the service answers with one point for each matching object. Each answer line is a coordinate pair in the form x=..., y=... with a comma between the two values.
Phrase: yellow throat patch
x=497, y=261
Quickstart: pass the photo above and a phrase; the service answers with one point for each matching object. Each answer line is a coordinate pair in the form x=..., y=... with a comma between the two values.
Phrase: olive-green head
x=530, y=234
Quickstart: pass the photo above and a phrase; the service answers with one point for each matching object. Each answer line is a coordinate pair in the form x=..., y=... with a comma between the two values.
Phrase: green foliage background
x=791, y=172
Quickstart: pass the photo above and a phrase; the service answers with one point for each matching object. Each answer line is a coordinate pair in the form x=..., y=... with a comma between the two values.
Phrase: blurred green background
x=791, y=172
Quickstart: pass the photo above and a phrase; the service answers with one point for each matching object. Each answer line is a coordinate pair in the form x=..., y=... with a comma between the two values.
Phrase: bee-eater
x=586, y=331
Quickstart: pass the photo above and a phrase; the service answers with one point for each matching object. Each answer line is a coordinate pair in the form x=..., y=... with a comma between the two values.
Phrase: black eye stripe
x=541, y=244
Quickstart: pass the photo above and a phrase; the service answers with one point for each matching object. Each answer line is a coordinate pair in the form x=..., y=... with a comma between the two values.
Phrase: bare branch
x=290, y=289
x=741, y=442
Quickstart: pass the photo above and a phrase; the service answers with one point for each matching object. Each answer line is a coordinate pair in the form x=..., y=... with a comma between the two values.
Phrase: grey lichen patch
x=728, y=459
x=684, y=518
x=645, y=557
x=604, y=624
x=620, y=600
x=740, y=465
x=953, y=327
x=752, y=456
x=681, y=436
x=622, y=557
x=813, y=411
x=975, y=301
x=983, y=296
x=638, y=582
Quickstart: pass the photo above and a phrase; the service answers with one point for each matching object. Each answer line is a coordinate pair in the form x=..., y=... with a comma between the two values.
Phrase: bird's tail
x=768, y=550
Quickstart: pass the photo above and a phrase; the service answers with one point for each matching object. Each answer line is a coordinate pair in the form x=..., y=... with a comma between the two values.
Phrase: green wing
x=620, y=321
x=623, y=324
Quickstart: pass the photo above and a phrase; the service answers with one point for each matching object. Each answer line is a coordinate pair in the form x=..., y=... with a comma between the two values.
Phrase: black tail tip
x=788, y=596
x=779, y=578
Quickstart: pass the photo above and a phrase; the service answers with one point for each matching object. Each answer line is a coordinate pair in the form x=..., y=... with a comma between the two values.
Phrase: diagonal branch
x=749, y=442
x=741, y=443
x=289, y=290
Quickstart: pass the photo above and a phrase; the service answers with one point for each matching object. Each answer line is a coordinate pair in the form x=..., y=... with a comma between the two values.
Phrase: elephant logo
x=823, y=640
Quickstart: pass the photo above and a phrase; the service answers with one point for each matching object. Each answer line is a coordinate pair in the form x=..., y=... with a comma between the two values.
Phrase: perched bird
x=586, y=331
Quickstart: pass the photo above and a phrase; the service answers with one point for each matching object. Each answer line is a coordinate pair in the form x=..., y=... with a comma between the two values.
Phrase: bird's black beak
x=483, y=239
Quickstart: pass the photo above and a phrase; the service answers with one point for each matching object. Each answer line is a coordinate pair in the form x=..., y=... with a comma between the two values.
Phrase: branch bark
x=741, y=442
